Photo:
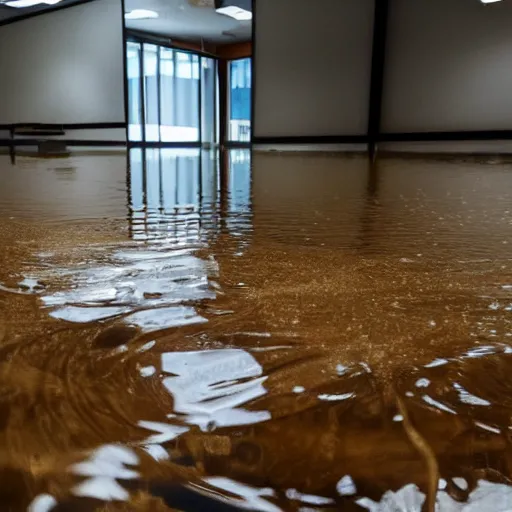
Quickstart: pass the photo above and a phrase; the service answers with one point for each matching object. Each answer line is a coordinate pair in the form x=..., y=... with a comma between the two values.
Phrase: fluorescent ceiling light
x=141, y=14
x=30, y=3
x=489, y=1
x=236, y=12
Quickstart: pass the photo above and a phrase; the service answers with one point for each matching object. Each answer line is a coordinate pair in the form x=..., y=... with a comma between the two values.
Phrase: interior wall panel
x=448, y=66
x=64, y=67
x=312, y=67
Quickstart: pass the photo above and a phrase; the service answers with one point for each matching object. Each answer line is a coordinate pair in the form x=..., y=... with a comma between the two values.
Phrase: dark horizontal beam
x=458, y=136
x=66, y=126
x=447, y=136
x=163, y=145
x=139, y=36
x=320, y=139
x=67, y=142
x=474, y=136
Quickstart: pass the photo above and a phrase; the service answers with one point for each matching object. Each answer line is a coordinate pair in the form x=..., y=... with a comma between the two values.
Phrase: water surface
x=189, y=331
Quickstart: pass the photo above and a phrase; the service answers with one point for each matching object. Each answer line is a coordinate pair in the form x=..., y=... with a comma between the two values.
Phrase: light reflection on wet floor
x=310, y=333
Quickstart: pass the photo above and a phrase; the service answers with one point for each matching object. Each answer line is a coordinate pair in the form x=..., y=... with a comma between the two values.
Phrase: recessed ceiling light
x=236, y=12
x=30, y=3
x=141, y=14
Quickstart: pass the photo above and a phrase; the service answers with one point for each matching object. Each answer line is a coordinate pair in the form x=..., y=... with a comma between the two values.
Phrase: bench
x=33, y=135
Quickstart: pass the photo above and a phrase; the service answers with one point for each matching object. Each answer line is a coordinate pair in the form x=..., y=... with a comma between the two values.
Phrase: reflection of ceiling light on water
x=148, y=287
x=210, y=387
x=236, y=13
x=141, y=14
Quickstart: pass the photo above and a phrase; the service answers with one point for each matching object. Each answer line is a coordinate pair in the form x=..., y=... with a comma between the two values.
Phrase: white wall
x=64, y=67
x=448, y=66
x=312, y=67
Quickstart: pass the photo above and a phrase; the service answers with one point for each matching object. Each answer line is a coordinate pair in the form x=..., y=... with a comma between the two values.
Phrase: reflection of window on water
x=240, y=100
x=169, y=189
x=175, y=194
x=239, y=201
x=176, y=87
x=240, y=181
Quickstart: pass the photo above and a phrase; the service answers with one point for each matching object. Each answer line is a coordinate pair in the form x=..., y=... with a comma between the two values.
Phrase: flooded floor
x=287, y=332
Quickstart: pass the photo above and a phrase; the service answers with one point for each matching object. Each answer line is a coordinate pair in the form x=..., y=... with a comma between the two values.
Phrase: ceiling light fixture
x=30, y=3
x=489, y=1
x=141, y=14
x=236, y=12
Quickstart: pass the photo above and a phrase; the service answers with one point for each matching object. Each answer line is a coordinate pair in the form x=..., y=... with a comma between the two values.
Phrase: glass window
x=240, y=100
x=134, y=92
x=208, y=97
x=179, y=96
x=172, y=95
x=151, y=92
x=167, y=94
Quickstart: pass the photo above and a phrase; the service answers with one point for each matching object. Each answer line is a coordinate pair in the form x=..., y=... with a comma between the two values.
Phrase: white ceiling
x=182, y=20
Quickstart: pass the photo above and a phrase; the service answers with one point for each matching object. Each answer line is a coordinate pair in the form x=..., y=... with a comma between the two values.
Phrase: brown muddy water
x=295, y=333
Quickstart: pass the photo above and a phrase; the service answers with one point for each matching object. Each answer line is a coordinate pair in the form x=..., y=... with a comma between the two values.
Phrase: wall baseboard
x=322, y=139
x=65, y=126
x=163, y=145
x=68, y=142
x=482, y=157
x=458, y=136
